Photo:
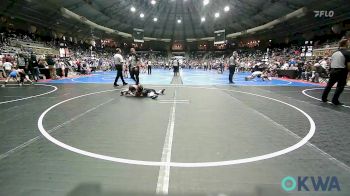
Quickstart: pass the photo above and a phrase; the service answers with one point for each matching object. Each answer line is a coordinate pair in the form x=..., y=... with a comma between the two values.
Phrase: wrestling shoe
x=324, y=100
x=125, y=84
x=154, y=96
x=161, y=92
x=115, y=85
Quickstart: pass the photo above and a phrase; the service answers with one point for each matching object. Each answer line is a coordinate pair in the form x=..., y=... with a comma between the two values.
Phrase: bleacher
x=9, y=50
x=34, y=46
x=325, y=50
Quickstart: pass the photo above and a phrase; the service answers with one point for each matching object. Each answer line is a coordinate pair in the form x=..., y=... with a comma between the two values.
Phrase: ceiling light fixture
x=142, y=15
x=217, y=15
x=203, y=19
x=178, y=21
x=155, y=19
x=133, y=9
x=205, y=2
x=227, y=8
x=153, y=2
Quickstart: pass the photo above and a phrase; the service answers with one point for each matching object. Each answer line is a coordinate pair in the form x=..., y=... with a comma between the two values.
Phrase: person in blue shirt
x=12, y=76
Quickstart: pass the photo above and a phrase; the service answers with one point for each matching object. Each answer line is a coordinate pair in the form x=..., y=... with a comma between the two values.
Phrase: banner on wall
x=138, y=35
x=219, y=37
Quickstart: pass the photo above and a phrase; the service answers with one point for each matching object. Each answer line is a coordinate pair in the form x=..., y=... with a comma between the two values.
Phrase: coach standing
x=232, y=66
x=134, y=61
x=339, y=71
x=118, y=62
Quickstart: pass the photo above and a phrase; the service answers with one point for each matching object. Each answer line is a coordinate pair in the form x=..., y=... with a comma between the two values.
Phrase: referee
x=339, y=72
x=118, y=62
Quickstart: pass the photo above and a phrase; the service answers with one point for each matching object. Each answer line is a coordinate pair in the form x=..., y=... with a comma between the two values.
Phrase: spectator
x=21, y=61
x=8, y=66
x=307, y=71
x=51, y=63
x=300, y=69
x=62, y=67
x=315, y=72
x=68, y=65
x=2, y=70
x=34, y=67
x=324, y=63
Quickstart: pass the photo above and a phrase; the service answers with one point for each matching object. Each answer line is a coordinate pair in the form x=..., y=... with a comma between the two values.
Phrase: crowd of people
x=20, y=64
x=83, y=63
x=82, y=60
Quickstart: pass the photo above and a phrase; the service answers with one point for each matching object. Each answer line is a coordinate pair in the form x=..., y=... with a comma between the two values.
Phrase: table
x=46, y=72
x=292, y=74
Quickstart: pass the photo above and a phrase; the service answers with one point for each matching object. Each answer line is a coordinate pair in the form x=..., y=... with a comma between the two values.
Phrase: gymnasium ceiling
x=117, y=14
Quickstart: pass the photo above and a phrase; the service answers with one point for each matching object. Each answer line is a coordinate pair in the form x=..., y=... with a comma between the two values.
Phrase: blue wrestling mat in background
x=189, y=77
x=158, y=77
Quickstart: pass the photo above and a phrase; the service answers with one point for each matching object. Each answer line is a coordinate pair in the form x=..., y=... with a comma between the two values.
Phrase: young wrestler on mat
x=139, y=91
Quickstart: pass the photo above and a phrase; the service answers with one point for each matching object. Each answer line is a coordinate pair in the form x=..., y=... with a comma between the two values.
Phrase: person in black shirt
x=339, y=72
x=34, y=67
x=300, y=69
x=176, y=67
x=221, y=67
x=51, y=63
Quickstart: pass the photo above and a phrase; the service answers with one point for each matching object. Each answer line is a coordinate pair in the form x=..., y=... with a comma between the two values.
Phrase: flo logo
x=324, y=13
x=310, y=183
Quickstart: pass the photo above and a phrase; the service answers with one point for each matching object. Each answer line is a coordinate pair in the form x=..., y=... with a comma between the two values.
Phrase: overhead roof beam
x=191, y=18
x=174, y=22
x=165, y=22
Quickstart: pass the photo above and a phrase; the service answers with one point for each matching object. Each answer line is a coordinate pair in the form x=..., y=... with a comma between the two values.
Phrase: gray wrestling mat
x=85, y=139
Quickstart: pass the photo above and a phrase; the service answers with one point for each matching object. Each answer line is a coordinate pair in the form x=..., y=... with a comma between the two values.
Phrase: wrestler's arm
x=127, y=92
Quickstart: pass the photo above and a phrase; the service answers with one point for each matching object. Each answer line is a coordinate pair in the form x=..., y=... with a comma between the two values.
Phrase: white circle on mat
x=312, y=97
x=302, y=142
x=33, y=96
